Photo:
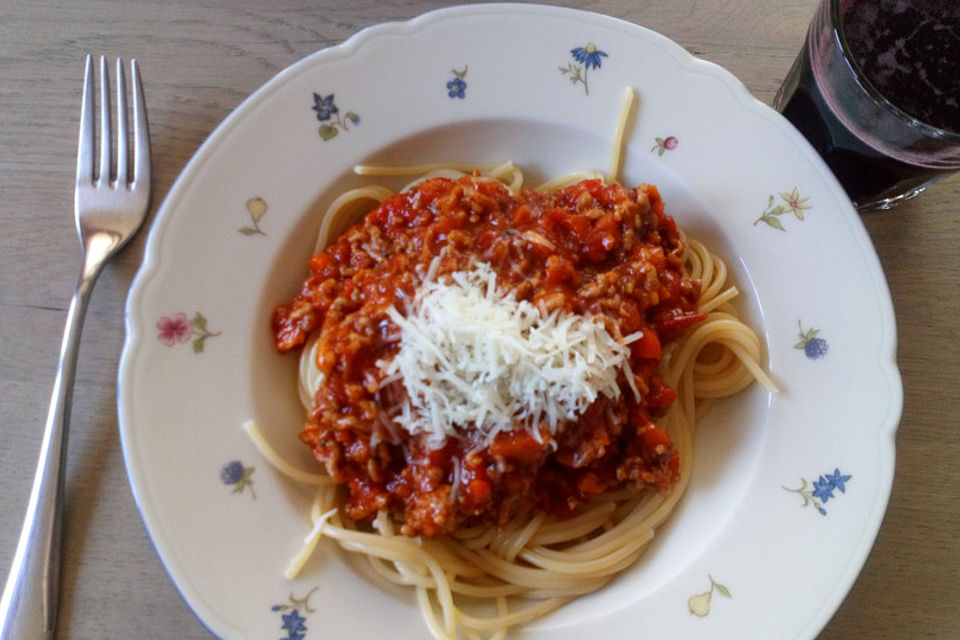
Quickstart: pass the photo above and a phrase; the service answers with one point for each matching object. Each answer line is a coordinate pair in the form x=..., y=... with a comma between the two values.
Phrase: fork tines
x=104, y=174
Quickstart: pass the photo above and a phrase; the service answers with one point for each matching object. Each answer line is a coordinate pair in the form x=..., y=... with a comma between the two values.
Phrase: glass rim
x=837, y=26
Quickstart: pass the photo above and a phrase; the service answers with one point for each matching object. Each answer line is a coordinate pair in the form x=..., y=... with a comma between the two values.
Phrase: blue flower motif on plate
x=294, y=623
x=822, y=489
x=838, y=480
x=324, y=106
x=588, y=57
x=457, y=87
x=329, y=115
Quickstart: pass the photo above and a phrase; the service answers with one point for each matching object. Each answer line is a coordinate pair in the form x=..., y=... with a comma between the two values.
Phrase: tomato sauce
x=590, y=248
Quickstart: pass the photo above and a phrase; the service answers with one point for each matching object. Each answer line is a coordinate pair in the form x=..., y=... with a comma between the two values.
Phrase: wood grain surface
x=199, y=61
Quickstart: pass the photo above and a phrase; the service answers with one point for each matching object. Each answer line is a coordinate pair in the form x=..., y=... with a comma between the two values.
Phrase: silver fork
x=110, y=206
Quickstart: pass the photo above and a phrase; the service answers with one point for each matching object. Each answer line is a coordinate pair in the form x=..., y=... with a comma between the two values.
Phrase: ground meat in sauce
x=589, y=248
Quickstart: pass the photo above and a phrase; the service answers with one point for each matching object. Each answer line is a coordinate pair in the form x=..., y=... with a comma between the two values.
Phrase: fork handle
x=28, y=609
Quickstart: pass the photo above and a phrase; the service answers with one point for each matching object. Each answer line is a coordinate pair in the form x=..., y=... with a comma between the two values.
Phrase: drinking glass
x=876, y=90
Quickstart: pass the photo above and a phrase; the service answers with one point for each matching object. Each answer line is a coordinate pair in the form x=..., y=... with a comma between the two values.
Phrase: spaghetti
x=496, y=527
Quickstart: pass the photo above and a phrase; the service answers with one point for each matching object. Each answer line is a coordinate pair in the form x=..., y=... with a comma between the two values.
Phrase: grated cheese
x=472, y=357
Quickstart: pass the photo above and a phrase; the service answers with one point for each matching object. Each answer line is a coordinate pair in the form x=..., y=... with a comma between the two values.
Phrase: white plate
x=788, y=491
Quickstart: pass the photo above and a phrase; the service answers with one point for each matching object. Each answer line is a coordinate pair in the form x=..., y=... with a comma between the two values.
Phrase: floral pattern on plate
x=662, y=145
x=293, y=622
x=329, y=115
x=821, y=490
x=791, y=203
x=457, y=87
x=588, y=57
x=177, y=329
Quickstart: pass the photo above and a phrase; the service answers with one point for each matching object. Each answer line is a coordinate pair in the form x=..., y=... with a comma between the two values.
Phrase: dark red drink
x=909, y=51
x=876, y=90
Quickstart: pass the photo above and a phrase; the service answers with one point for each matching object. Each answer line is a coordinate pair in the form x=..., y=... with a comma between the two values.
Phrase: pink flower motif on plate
x=662, y=145
x=177, y=328
x=174, y=329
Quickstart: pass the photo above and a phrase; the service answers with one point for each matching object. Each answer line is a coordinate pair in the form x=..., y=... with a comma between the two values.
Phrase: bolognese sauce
x=593, y=249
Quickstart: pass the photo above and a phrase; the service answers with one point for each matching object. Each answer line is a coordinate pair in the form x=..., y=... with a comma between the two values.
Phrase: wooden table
x=199, y=60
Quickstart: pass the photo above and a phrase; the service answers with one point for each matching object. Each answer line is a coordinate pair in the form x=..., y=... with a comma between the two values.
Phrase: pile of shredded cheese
x=472, y=357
